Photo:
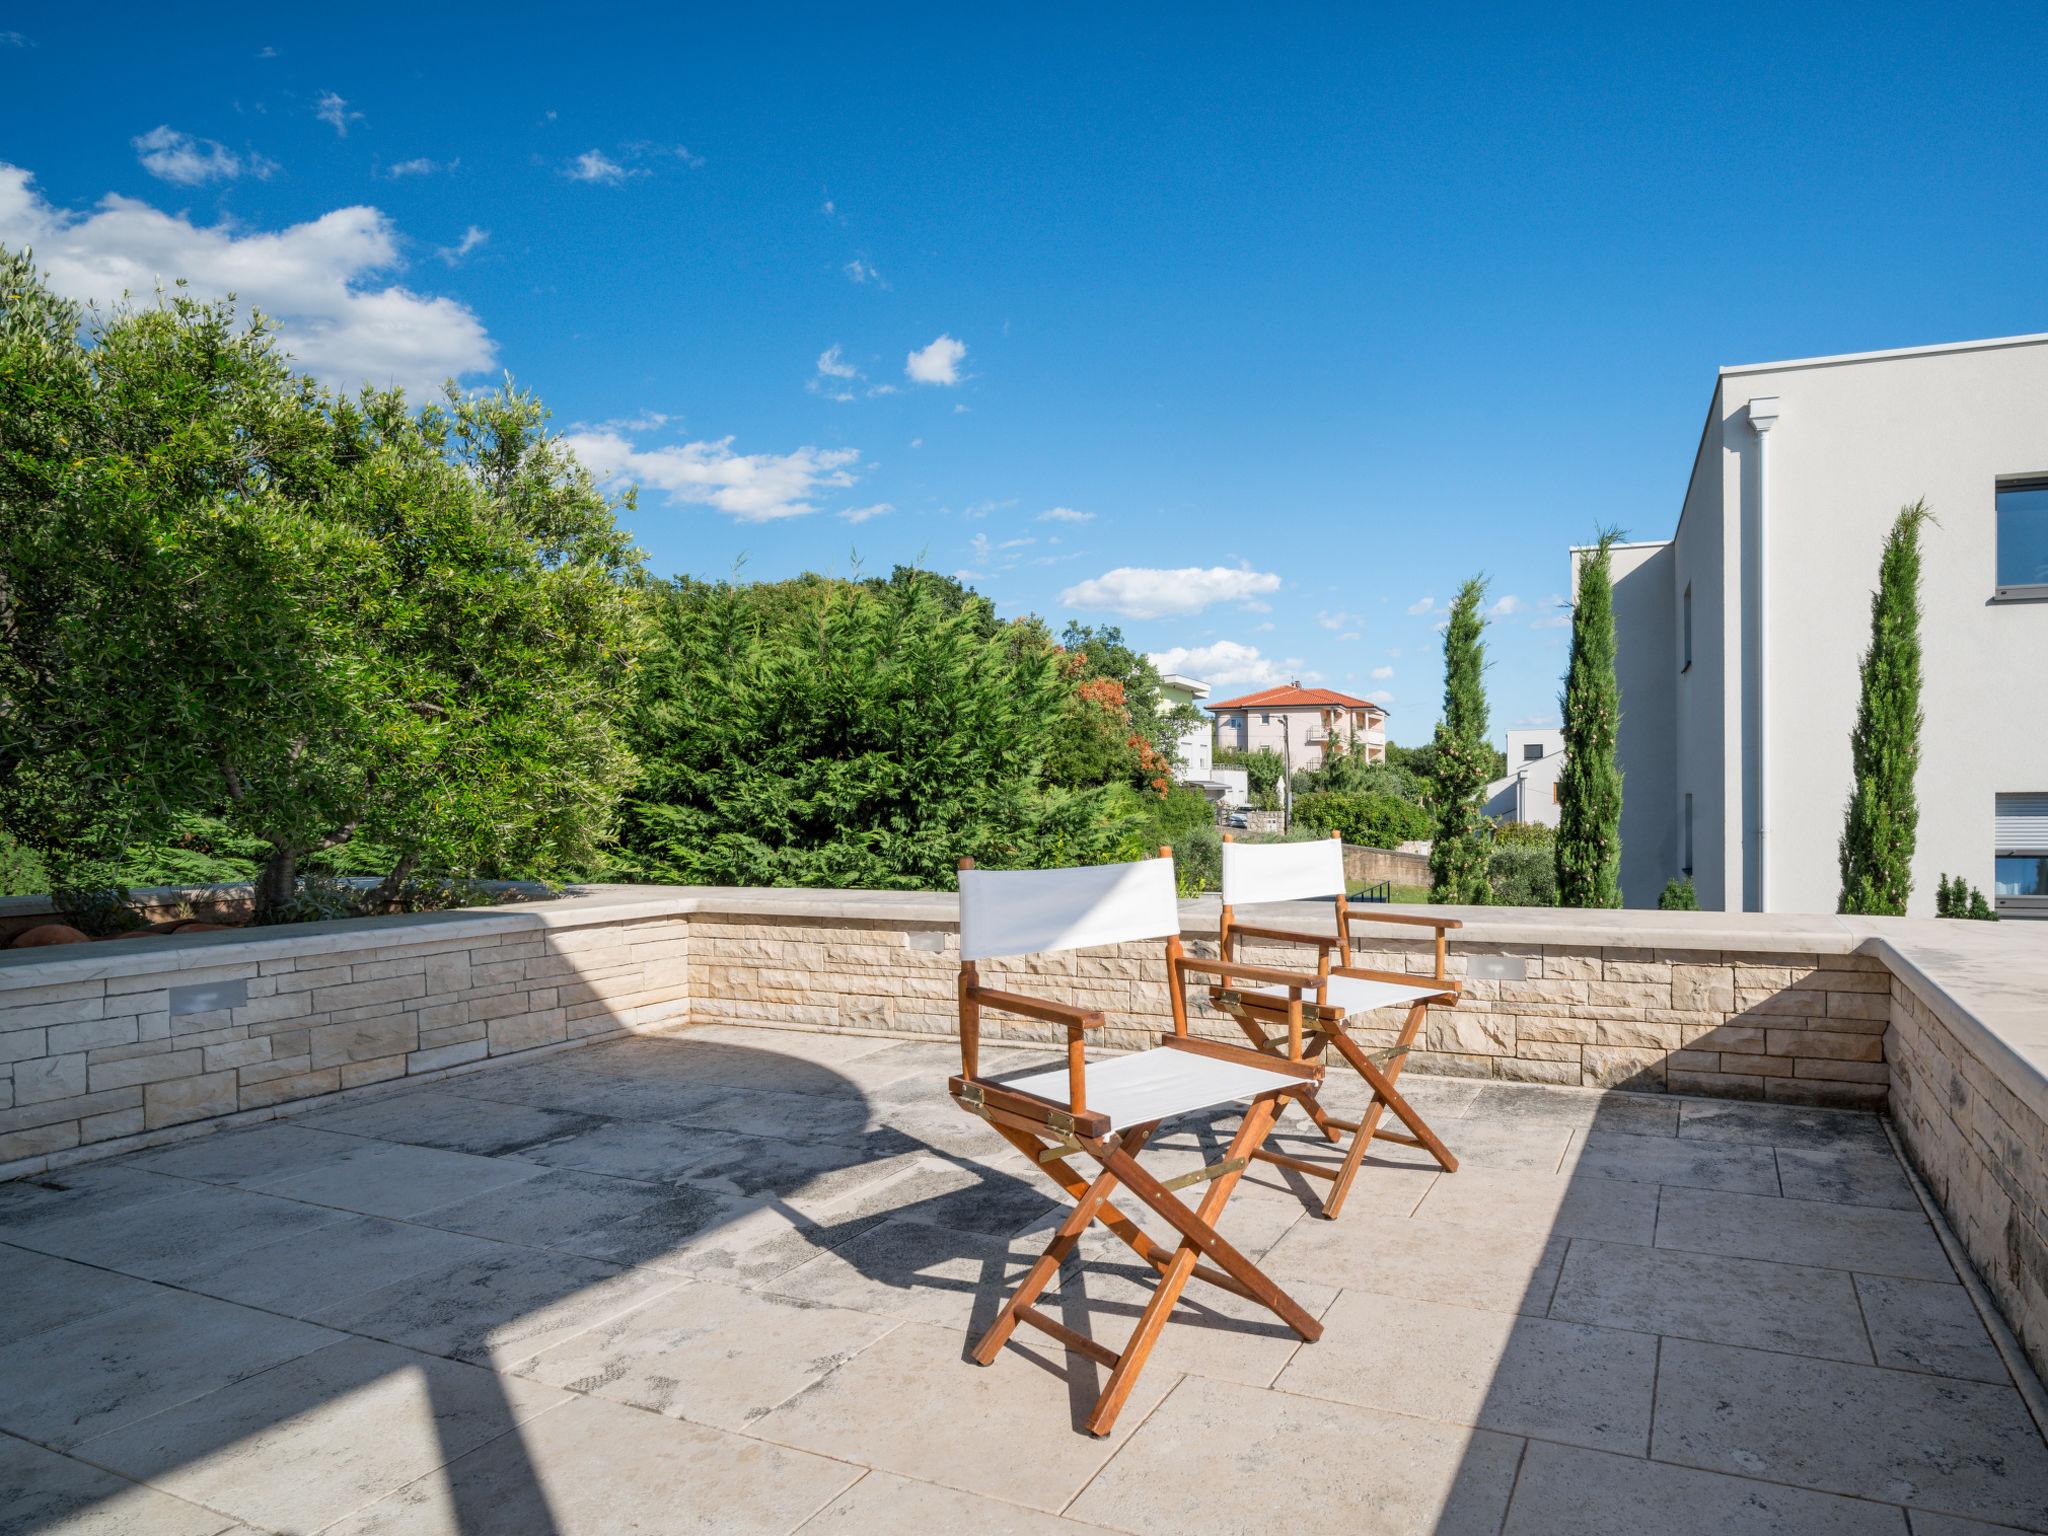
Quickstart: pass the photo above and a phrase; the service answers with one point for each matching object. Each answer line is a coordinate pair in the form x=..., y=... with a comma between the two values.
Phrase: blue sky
x=1330, y=308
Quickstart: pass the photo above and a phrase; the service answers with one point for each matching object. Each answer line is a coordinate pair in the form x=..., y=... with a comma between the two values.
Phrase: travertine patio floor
x=723, y=1282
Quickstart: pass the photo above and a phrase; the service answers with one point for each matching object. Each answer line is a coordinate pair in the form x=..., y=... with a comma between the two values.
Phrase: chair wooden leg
x=1306, y=1098
x=1198, y=1234
x=1040, y=1274
x=1385, y=1096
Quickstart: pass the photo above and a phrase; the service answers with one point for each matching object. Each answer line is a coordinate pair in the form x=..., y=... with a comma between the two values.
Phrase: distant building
x=1193, y=747
x=1299, y=723
x=1739, y=638
x=1528, y=793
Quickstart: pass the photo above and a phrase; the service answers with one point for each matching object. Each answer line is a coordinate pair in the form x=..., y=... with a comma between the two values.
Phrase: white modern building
x=1528, y=791
x=1740, y=637
x=1300, y=723
x=1193, y=746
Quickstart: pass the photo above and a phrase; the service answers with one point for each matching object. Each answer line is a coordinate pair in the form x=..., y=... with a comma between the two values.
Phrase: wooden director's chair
x=1108, y=1112
x=1263, y=872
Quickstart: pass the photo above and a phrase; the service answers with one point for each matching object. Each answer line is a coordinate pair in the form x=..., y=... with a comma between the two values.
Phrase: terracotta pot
x=50, y=933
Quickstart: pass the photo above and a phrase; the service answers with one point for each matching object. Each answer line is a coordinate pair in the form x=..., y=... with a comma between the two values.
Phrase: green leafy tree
x=833, y=734
x=1460, y=833
x=230, y=595
x=1883, y=815
x=1589, y=787
x=1262, y=771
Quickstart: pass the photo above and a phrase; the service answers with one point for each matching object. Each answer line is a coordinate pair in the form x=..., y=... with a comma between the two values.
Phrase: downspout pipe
x=1763, y=415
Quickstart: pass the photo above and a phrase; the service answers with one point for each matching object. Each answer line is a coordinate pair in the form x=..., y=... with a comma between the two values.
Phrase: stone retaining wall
x=1984, y=1154
x=158, y=1045
x=1793, y=1028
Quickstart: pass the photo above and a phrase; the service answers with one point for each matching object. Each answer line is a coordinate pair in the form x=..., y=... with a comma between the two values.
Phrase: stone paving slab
x=1790, y=1307
x=593, y=1468
x=913, y=1405
x=72, y=1383
x=710, y=1353
x=1948, y=1446
x=1868, y=1239
x=1226, y=1458
x=725, y=1281
x=307, y=1442
x=1519, y=1375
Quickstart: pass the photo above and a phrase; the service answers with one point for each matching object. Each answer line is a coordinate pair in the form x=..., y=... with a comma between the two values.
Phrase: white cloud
x=419, y=167
x=173, y=156
x=1336, y=620
x=1508, y=605
x=14, y=40
x=1555, y=612
x=938, y=363
x=866, y=514
x=1142, y=592
x=1381, y=697
x=749, y=487
x=596, y=166
x=333, y=111
x=317, y=280
x=831, y=361
x=1065, y=515
x=829, y=209
x=1229, y=664
x=835, y=375
x=861, y=271
x=1349, y=634
x=1537, y=721
x=1381, y=674
x=1422, y=605
x=472, y=239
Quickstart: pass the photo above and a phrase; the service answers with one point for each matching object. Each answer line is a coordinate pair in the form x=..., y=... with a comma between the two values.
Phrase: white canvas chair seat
x=1159, y=1084
x=1354, y=994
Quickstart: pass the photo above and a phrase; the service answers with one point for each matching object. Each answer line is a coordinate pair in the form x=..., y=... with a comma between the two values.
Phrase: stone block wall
x=1984, y=1154
x=107, y=1058
x=1791, y=1028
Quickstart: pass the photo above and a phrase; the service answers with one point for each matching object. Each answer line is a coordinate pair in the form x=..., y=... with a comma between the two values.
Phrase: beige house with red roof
x=1299, y=723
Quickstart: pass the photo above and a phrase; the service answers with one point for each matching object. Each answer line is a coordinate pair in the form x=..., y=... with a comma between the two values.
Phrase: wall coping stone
x=1987, y=981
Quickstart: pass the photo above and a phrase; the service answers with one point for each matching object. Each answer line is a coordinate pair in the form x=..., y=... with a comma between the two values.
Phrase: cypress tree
x=1883, y=815
x=1460, y=834
x=1589, y=787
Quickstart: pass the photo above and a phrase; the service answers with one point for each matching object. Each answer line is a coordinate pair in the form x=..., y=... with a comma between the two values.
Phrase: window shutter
x=2021, y=823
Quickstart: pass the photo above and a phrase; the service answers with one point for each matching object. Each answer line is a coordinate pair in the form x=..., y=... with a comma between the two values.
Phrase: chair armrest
x=1444, y=985
x=1037, y=1008
x=1365, y=914
x=1287, y=936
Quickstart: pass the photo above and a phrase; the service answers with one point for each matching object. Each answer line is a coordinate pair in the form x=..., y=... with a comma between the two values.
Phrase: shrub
x=1678, y=896
x=1522, y=872
x=1956, y=897
x=1366, y=820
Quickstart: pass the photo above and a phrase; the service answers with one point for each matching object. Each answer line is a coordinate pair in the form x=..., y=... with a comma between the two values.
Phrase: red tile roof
x=1297, y=698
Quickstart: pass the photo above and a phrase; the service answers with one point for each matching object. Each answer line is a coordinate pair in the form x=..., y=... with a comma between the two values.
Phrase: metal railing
x=1382, y=892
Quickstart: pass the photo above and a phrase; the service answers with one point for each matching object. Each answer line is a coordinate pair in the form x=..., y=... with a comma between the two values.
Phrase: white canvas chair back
x=1032, y=911
x=1256, y=872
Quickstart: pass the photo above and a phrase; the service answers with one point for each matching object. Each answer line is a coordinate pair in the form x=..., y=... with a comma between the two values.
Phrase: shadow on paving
x=658, y=1156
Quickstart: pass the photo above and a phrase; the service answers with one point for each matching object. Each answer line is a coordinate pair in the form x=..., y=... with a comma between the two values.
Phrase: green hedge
x=1365, y=820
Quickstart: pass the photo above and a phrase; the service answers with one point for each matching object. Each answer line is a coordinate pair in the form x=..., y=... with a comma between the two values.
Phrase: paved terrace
x=723, y=1281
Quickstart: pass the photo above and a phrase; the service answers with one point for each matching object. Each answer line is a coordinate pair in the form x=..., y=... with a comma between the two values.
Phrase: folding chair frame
x=1325, y=1025
x=1052, y=1134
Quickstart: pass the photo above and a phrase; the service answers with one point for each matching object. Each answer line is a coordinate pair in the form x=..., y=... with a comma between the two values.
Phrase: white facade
x=1300, y=723
x=1192, y=749
x=1740, y=638
x=1528, y=792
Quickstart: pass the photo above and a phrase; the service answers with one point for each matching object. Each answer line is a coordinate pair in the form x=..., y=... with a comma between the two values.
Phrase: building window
x=1531, y=751
x=2023, y=539
x=1688, y=834
x=1686, y=636
x=1265, y=719
x=2020, y=867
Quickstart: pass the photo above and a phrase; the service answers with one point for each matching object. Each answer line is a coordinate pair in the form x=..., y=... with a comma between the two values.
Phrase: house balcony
x=649, y=1211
